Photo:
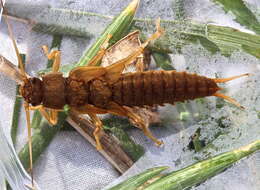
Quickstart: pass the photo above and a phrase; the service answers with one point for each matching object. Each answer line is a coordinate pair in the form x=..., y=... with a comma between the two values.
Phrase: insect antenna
x=29, y=129
x=229, y=99
x=23, y=73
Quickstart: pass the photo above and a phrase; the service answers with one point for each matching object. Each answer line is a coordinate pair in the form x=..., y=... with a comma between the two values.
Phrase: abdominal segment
x=159, y=87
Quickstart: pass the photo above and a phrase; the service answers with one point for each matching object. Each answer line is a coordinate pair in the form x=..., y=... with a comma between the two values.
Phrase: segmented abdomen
x=158, y=87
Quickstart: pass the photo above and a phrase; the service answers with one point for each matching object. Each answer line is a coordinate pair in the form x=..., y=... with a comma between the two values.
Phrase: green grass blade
x=134, y=182
x=119, y=26
x=201, y=171
x=243, y=15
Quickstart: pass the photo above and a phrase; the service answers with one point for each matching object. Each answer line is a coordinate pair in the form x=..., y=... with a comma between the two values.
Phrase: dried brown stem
x=112, y=151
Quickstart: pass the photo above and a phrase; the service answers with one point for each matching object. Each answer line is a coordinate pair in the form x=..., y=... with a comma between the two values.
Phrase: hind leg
x=137, y=120
x=98, y=123
x=92, y=111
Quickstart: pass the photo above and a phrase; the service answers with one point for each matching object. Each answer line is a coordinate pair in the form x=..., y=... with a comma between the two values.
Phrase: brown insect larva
x=97, y=90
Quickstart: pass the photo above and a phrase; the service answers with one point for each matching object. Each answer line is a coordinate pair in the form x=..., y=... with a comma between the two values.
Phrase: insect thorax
x=77, y=92
x=53, y=90
x=100, y=93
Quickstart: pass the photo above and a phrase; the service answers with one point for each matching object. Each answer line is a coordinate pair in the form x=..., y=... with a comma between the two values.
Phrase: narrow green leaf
x=252, y=50
x=201, y=171
x=119, y=26
x=207, y=44
x=243, y=15
x=229, y=39
x=134, y=182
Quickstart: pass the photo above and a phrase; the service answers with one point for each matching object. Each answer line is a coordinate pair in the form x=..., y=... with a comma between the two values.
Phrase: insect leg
x=51, y=117
x=94, y=61
x=140, y=64
x=124, y=111
x=156, y=35
x=98, y=123
x=54, y=116
x=92, y=111
x=28, y=121
x=55, y=55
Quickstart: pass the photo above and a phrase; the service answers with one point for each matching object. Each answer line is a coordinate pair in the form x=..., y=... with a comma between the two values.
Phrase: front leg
x=53, y=55
x=51, y=116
